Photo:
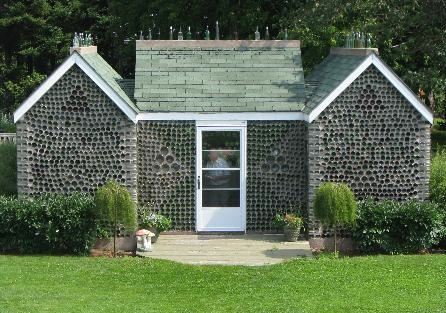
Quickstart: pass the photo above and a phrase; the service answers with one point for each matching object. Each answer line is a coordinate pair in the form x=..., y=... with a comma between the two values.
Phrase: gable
x=97, y=70
x=331, y=88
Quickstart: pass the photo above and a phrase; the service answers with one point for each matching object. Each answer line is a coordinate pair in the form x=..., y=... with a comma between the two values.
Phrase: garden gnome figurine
x=144, y=240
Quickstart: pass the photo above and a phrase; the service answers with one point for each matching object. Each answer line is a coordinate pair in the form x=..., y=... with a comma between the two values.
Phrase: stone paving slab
x=250, y=249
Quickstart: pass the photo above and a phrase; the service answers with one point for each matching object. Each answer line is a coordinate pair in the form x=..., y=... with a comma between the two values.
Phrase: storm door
x=221, y=179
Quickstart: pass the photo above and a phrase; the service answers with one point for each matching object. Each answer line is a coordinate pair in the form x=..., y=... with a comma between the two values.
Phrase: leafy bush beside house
x=51, y=223
x=6, y=124
x=398, y=227
x=8, y=169
x=437, y=182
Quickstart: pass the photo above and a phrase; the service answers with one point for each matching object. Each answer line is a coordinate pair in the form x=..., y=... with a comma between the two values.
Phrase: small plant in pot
x=156, y=223
x=291, y=224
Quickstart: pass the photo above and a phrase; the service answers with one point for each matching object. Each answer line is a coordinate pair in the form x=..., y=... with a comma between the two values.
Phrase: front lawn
x=360, y=284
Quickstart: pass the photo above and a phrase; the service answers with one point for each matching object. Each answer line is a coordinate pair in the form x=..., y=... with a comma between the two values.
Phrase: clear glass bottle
x=257, y=34
x=217, y=31
x=207, y=33
x=188, y=34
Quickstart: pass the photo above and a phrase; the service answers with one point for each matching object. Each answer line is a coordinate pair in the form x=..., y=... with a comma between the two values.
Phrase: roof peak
x=147, y=44
x=360, y=52
x=84, y=49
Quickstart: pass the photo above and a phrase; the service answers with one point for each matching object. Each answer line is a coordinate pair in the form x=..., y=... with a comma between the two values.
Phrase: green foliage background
x=35, y=35
x=8, y=169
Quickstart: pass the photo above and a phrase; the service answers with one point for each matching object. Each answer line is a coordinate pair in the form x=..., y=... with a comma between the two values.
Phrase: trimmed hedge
x=52, y=223
x=8, y=169
x=398, y=227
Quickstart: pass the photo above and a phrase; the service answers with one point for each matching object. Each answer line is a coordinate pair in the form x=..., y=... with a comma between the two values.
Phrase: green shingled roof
x=328, y=75
x=109, y=75
x=229, y=76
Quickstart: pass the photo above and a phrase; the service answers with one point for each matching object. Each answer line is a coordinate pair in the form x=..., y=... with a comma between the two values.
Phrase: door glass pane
x=221, y=140
x=221, y=198
x=220, y=159
x=221, y=179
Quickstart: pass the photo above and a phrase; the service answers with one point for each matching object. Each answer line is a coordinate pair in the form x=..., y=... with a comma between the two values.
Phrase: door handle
x=198, y=181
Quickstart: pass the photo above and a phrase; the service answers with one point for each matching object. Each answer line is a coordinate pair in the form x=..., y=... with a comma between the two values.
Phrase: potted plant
x=154, y=222
x=291, y=224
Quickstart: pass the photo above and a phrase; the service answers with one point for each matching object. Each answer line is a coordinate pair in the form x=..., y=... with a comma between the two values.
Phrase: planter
x=122, y=244
x=291, y=234
x=344, y=245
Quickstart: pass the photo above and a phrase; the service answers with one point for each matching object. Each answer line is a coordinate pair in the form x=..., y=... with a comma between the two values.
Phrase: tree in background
x=35, y=35
x=410, y=36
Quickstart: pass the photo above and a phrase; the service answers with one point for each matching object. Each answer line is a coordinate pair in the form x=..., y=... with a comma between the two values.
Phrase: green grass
x=360, y=284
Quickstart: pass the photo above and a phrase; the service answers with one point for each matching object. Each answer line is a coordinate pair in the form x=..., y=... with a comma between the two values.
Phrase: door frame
x=223, y=126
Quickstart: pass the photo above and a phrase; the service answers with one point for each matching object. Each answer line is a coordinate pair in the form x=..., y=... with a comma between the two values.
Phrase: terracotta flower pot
x=291, y=234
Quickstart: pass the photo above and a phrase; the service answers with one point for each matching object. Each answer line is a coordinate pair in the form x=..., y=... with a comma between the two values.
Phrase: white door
x=221, y=178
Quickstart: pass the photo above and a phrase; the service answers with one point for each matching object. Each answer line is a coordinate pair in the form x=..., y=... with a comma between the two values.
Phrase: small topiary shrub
x=8, y=169
x=335, y=205
x=398, y=227
x=114, y=203
x=48, y=224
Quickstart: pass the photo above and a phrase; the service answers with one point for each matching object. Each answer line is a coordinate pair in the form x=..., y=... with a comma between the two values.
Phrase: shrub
x=8, y=169
x=398, y=227
x=52, y=223
x=114, y=203
x=438, y=178
x=6, y=124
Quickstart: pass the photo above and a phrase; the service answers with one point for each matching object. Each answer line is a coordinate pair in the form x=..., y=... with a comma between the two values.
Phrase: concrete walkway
x=250, y=249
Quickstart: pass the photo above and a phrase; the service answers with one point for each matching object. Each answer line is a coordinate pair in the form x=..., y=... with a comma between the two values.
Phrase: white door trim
x=243, y=174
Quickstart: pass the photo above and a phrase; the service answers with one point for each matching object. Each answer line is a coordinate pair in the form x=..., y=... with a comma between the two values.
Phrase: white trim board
x=75, y=58
x=388, y=73
x=223, y=116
